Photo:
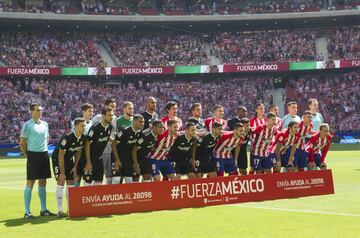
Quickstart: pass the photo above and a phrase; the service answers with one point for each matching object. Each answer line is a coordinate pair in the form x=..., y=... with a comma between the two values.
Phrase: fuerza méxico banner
x=141, y=197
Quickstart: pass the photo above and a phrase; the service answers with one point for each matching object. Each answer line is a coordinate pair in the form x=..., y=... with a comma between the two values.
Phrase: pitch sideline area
x=322, y=216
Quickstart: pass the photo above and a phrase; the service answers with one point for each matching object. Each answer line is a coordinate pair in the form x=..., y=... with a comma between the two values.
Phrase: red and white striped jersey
x=279, y=124
x=255, y=122
x=262, y=138
x=210, y=121
x=285, y=139
x=303, y=131
x=166, y=119
x=162, y=147
x=226, y=144
x=317, y=145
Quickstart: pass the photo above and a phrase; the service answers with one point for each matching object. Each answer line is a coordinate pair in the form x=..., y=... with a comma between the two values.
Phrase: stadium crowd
x=338, y=94
x=98, y=7
x=42, y=49
x=62, y=99
x=133, y=49
x=279, y=46
x=344, y=42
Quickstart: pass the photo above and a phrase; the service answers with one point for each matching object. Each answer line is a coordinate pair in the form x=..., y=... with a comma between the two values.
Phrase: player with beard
x=196, y=113
x=150, y=114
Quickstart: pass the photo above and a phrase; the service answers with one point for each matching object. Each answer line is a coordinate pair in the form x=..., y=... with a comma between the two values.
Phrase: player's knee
x=42, y=182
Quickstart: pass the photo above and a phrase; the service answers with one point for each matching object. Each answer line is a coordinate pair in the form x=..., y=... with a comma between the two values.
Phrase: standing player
x=259, y=118
x=284, y=145
x=143, y=147
x=242, y=158
x=262, y=137
x=63, y=161
x=292, y=116
x=97, y=140
x=180, y=152
x=275, y=109
x=223, y=158
x=196, y=113
x=318, y=147
x=87, y=110
x=305, y=128
x=218, y=117
x=317, y=118
x=107, y=156
x=34, y=145
x=202, y=152
x=126, y=119
x=158, y=156
x=171, y=111
x=241, y=113
x=150, y=114
x=122, y=145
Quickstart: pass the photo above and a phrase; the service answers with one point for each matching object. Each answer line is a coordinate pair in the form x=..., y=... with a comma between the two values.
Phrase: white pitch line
x=298, y=210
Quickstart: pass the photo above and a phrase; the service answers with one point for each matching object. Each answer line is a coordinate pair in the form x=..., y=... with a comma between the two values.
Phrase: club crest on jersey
x=63, y=142
x=91, y=133
x=141, y=140
x=119, y=133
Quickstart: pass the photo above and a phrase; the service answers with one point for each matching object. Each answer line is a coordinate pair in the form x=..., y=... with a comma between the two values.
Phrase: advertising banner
x=30, y=71
x=141, y=197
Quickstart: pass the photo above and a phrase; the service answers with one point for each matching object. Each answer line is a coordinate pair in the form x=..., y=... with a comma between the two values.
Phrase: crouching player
x=224, y=160
x=158, y=156
x=202, y=152
x=305, y=128
x=282, y=147
x=180, y=152
x=63, y=163
x=318, y=147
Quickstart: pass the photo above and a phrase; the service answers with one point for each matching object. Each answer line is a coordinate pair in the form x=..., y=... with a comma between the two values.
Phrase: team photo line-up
x=143, y=147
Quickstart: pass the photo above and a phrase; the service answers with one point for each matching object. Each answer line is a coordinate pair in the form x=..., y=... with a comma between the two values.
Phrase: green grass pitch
x=321, y=216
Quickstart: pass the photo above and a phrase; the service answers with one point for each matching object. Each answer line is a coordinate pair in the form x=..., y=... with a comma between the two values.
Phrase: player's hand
x=61, y=179
x=136, y=168
x=193, y=163
x=117, y=165
x=311, y=165
x=88, y=167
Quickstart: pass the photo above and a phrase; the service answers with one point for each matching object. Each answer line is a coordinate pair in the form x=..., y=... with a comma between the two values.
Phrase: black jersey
x=205, y=146
x=181, y=149
x=145, y=143
x=126, y=139
x=199, y=123
x=231, y=122
x=99, y=136
x=70, y=144
x=149, y=118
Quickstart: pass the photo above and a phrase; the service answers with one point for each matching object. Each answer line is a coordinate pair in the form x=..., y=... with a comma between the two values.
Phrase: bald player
x=150, y=114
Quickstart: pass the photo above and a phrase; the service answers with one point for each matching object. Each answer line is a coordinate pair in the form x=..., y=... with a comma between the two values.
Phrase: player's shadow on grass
x=22, y=221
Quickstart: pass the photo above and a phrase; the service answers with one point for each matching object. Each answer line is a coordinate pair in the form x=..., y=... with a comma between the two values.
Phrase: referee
x=34, y=145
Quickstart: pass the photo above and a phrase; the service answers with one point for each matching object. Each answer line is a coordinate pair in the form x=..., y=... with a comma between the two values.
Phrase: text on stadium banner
x=141, y=197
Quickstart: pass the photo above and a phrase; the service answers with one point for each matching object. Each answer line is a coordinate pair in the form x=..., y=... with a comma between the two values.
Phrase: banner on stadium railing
x=140, y=70
x=30, y=71
x=350, y=63
x=141, y=197
x=256, y=67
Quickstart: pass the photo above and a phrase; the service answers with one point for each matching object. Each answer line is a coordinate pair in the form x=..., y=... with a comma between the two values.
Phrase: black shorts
x=37, y=165
x=126, y=166
x=97, y=169
x=144, y=165
x=205, y=166
x=183, y=167
x=242, y=159
x=69, y=165
x=81, y=165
